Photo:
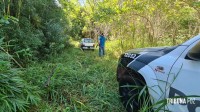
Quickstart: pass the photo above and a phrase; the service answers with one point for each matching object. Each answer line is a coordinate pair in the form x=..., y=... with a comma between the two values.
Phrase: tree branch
x=47, y=83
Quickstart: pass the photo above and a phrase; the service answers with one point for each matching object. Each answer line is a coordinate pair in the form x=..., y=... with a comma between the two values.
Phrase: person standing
x=101, y=42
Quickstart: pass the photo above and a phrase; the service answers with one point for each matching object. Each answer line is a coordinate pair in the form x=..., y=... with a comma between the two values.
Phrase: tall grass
x=77, y=81
x=15, y=93
x=81, y=82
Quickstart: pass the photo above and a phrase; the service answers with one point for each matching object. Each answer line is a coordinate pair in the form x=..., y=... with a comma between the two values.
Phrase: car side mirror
x=194, y=56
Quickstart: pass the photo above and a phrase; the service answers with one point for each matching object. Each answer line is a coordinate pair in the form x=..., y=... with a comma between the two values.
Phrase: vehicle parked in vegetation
x=87, y=43
x=170, y=76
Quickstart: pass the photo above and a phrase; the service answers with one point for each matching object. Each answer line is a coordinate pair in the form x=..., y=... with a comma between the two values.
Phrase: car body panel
x=147, y=56
x=191, y=41
x=159, y=67
x=165, y=62
x=147, y=63
x=187, y=73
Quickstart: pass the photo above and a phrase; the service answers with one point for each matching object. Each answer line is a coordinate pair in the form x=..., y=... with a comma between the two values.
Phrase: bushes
x=41, y=29
x=80, y=81
x=15, y=93
x=29, y=31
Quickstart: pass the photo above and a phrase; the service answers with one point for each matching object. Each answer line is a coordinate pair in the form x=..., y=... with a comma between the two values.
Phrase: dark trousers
x=101, y=51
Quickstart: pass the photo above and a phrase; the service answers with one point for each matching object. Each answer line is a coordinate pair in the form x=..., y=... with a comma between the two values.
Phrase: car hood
x=146, y=55
x=138, y=58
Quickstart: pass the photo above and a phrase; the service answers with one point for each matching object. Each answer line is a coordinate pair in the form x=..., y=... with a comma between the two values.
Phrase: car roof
x=87, y=38
x=192, y=40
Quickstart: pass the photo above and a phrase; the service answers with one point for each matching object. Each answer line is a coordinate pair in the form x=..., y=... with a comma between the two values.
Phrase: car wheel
x=82, y=49
x=130, y=95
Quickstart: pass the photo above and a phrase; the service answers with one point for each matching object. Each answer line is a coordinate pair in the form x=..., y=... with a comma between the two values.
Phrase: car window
x=196, y=48
x=88, y=40
x=195, y=51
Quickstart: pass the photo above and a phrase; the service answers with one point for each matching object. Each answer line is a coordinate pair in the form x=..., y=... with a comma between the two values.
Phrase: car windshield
x=88, y=40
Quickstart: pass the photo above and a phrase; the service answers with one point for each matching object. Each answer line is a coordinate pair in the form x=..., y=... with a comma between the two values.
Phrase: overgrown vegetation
x=16, y=94
x=143, y=22
x=41, y=28
x=80, y=81
x=40, y=71
x=29, y=31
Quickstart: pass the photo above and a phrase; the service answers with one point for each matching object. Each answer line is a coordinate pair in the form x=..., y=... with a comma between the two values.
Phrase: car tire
x=129, y=94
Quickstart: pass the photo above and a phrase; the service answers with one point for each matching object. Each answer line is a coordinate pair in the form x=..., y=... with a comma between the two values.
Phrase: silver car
x=87, y=43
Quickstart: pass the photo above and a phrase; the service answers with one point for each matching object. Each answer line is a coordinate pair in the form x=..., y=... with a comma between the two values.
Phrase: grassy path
x=81, y=82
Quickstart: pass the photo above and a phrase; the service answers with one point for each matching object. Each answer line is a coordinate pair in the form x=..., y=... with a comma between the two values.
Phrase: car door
x=184, y=80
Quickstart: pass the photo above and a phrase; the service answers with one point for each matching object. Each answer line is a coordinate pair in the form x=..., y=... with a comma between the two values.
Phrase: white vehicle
x=171, y=74
x=87, y=43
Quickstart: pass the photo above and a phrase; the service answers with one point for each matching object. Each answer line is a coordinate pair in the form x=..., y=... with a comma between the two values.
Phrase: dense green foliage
x=37, y=73
x=15, y=93
x=42, y=29
x=140, y=23
x=29, y=31
x=80, y=82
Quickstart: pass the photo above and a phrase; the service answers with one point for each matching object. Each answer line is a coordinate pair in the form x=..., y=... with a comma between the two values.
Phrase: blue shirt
x=102, y=41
